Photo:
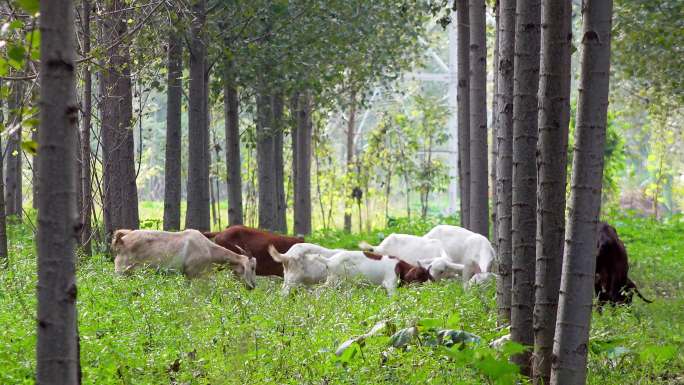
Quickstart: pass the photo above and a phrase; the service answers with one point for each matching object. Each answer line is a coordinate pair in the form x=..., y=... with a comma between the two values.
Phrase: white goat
x=301, y=265
x=465, y=247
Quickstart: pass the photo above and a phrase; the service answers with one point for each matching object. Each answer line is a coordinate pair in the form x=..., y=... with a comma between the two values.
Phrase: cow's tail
x=275, y=254
x=365, y=246
x=632, y=286
x=210, y=235
x=117, y=240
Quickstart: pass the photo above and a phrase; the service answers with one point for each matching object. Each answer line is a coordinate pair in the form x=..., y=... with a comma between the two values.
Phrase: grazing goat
x=417, y=250
x=256, y=243
x=188, y=252
x=377, y=269
x=465, y=247
x=301, y=265
x=612, y=285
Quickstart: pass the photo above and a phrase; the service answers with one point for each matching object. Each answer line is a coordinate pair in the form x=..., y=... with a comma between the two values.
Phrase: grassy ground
x=159, y=329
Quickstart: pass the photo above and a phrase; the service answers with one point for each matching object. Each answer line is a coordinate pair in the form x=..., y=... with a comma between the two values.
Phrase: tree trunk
x=86, y=207
x=266, y=163
x=57, y=359
x=281, y=204
x=34, y=174
x=504, y=162
x=13, y=190
x=569, y=363
x=172, y=160
x=233, y=162
x=3, y=220
x=116, y=98
x=463, y=33
x=197, y=213
x=526, y=72
x=301, y=157
x=351, y=130
x=554, y=86
x=495, y=147
x=479, y=199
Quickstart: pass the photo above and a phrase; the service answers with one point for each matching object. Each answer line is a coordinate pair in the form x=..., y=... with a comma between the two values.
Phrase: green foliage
x=152, y=328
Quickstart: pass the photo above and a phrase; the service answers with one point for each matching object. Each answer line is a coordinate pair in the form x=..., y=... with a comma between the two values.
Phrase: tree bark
x=554, y=86
x=116, y=98
x=351, y=131
x=569, y=363
x=13, y=187
x=301, y=157
x=86, y=177
x=504, y=162
x=463, y=33
x=172, y=160
x=266, y=163
x=495, y=147
x=197, y=214
x=233, y=162
x=3, y=219
x=278, y=124
x=57, y=348
x=479, y=198
x=526, y=80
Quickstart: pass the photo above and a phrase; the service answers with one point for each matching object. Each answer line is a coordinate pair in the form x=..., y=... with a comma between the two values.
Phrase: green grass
x=158, y=329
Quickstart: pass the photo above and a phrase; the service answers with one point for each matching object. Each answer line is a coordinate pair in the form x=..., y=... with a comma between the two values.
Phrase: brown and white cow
x=377, y=269
x=187, y=252
x=612, y=285
x=255, y=242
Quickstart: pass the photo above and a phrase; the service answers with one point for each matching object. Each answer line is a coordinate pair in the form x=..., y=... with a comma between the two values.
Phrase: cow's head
x=441, y=268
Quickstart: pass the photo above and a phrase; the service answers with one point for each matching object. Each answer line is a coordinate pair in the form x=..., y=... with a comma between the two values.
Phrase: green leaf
x=658, y=353
x=429, y=323
x=30, y=6
x=16, y=53
x=511, y=347
x=30, y=146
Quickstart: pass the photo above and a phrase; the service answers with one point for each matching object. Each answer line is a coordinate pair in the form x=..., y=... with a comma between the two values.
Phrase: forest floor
x=153, y=328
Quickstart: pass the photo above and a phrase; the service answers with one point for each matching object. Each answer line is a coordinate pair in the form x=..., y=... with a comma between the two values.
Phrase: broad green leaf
x=429, y=323
x=16, y=52
x=30, y=146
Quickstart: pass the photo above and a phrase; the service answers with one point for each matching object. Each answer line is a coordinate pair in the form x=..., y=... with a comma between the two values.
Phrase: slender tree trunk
x=233, y=161
x=554, y=85
x=13, y=187
x=495, y=146
x=266, y=162
x=525, y=89
x=86, y=178
x=463, y=33
x=172, y=160
x=301, y=146
x=281, y=204
x=197, y=214
x=34, y=174
x=504, y=162
x=569, y=363
x=57, y=348
x=3, y=219
x=351, y=130
x=116, y=98
x=479, y=198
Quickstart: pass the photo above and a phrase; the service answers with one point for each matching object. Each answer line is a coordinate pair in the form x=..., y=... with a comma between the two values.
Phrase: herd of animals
x=445, y=252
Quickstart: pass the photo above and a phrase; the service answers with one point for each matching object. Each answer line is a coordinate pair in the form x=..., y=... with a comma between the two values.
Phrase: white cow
x=418, y=250
x=301, y=265
x=187, y=251
x=465, y=247
x=377, y=269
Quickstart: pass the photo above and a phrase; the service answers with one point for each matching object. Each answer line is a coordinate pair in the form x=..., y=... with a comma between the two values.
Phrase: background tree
x=3, y=219
x=197, y=215
x=504, y=163
x=554, y=105
x=301, y=162
x=479, y=198
x=13, y=163
x=57, y=359
x=86, y=183
x=526, y=81
x=172, y=159
x=579, y=264
x=116, y=114
x=463, y=33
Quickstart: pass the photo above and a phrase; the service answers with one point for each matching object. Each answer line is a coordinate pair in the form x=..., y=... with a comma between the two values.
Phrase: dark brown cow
x=255, y=242
x=612, y=285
